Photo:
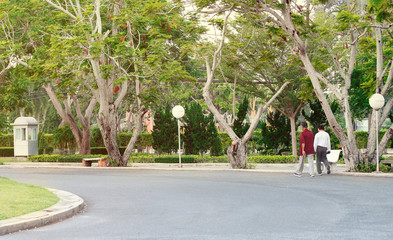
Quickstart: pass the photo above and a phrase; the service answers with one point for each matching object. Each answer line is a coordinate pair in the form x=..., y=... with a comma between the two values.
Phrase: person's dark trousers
x=321, y=157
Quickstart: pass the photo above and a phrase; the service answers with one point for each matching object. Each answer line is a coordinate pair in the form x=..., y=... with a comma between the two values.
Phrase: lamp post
x=376, y=102
x=178, y=112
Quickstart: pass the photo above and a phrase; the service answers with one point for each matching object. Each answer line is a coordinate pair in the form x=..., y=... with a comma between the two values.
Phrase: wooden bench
x=387, y=162
x=86, y=162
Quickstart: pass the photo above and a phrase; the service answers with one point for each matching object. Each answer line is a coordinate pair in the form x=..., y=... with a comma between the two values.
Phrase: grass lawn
x=5, y=159
x=17, y=199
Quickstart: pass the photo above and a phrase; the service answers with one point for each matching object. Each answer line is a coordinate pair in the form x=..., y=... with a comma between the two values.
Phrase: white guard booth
x=25, y=137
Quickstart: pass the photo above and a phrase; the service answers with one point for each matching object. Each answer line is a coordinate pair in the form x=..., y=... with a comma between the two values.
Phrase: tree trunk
x=82, y=136
x=137, y=131
x=371, y=140
x=107, y=121
x=352, y=155
x=293, y=135
x=237, y=154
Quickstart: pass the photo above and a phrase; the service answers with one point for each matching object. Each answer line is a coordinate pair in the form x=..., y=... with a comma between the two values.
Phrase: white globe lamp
x=178, y=112
x=376, y=102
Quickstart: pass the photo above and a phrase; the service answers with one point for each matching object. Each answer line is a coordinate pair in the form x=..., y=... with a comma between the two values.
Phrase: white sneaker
x=312, y=175
x=297, y=174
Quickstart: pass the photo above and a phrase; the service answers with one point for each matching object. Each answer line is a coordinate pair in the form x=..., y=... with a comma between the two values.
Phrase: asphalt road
x=151, y=204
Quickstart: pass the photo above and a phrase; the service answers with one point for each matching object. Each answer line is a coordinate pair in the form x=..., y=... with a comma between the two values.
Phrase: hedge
x=150, y=158
x=174, y=159
x=6, y=151
x=103, y=151
x=145, y=140
x=61, y=158
x=272, y=159
x=6, y=140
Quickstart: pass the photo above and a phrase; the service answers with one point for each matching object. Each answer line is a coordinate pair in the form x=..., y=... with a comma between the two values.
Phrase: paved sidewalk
x=339, y=169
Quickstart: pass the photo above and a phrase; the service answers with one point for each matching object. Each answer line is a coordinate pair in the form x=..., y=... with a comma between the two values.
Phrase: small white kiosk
x=25, y=137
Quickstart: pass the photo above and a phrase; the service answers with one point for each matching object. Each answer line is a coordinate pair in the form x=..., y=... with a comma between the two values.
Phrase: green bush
x=174, y=159
x=142, y=158
x=225, y=139
x=102, y=150
x=44, y=158
x=272, y=159
x=61, y=158
x=6, y=151
x=6, y=140
x=96, y=137
x=365, y=167
x=77, y=158
x=63, y=138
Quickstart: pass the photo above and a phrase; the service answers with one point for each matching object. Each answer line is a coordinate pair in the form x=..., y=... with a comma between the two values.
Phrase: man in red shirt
x=306, y=150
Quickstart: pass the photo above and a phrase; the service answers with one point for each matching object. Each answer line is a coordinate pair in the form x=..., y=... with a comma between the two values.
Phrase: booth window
x=32, y=133
x=21, y=134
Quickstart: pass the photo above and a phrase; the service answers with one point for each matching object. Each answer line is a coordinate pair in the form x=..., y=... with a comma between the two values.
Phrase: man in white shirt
x=322, y=147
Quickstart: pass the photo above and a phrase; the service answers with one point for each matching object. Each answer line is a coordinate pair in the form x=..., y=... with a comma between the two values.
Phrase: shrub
x=165, y=131
x=103, y=151
x=6, y=151
x=6, y=140
x=174, y=159
x=272, y=159
x=77, y=158
x=44, y=158
x=96, y=137
x=142, y=158
x=61, y=158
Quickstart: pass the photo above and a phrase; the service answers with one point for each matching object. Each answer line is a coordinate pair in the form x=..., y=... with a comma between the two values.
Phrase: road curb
x=68, y=206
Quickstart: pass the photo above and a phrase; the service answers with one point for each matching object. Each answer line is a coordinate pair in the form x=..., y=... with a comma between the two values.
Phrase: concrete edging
x=68, y=206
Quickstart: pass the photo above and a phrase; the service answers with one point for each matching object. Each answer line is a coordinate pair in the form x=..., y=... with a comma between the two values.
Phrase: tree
x=334, y=33
x=165, y=131
x=119, y=44
x=240, y=125
x=215, y=141
x=316, y=115
x=239, y=145
x=196, y=136
x=273, y=136
x=257, y=62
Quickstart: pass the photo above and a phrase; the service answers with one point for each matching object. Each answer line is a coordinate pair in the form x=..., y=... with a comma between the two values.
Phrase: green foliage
x=197, y=138
x=103, y=151
x=4, y=122
x=63, y=138
x=164, y=134
x=275, y=133
x=272, y=159
x=62, y=158
x=216, y=148
x=143, y=141
x=149, y=158
x=174, y=159
x=96, y=137
x=365, y=167
x=6, y=151
x=6, y=140
x=45, y=143
x=240, y=126
x=317, y=115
